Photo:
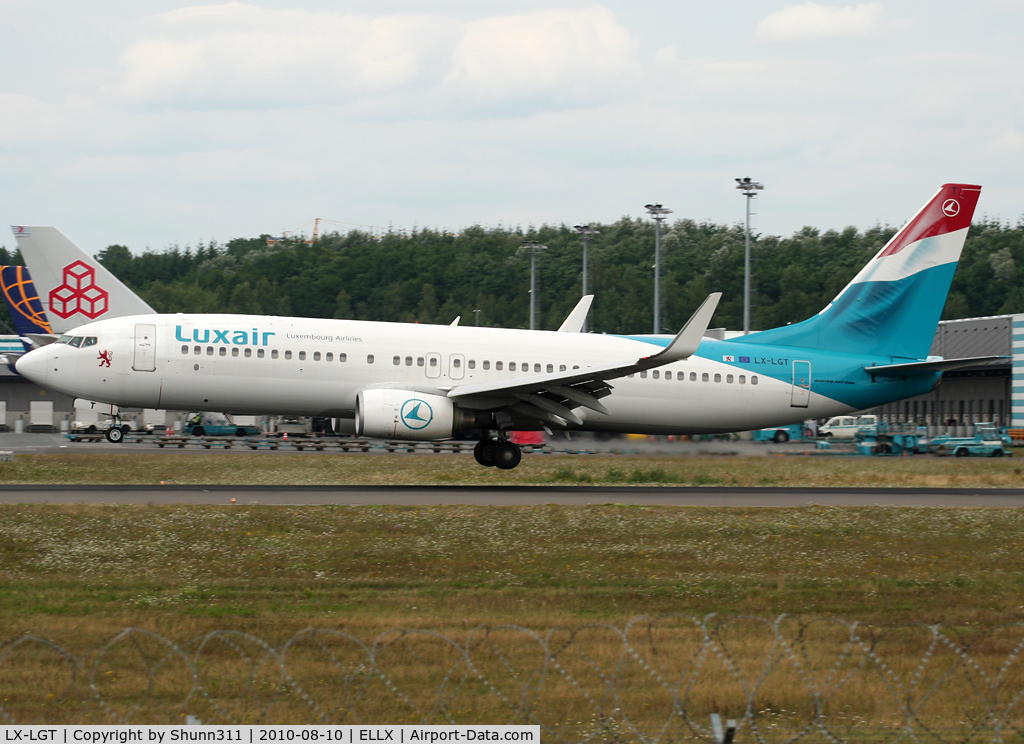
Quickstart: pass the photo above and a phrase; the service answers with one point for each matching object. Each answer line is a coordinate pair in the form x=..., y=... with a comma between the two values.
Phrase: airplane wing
x=573, y=322
x=551, y=397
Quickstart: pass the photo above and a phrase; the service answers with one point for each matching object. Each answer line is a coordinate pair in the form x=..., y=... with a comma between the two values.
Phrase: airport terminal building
x=986, y=392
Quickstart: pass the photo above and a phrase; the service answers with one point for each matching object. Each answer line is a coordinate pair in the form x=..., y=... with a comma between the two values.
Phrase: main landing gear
x=497, y=453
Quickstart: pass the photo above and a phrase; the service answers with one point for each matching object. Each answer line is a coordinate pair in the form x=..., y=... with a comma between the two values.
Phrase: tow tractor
x=881, y=438
x=986, y=442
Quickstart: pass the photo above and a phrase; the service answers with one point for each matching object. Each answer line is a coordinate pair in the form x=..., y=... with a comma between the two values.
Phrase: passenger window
x=718, y=377
x=342, y=357
x=223, y=351
x=487, y=364
x=693, y=377
x=302, y=355
x=471, y=364
x=316, y=356
x=536, y=367
x=408, y=361
x=457, y=363
x=655, y=374
x=419, y=361
x=753, y=379
x=396, y=360
x=91, y=341
x=743, y=379
x=575, y=366
x=511, y=366
x=369, y=358
x=234, y=351
x=668, y=375
x=643, y=375
x=209, y=351
x=329, y=356
x=728, y=378
x=561, y=368
x=248, y=352
x=498, y=365
x=197, y=350
x=76, y=341
x=288, y=354
x=704, y=377
x=273, y=354
x=184, y=349
x=260, y=353
x=433, y=361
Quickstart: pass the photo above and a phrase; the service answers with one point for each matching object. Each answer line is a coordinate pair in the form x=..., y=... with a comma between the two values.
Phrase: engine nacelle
x=390, y=413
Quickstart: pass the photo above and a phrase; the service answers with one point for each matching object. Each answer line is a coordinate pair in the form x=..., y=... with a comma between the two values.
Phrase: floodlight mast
x=658, y=213
x=749, y=189
x=533, y=248
x=586, y=232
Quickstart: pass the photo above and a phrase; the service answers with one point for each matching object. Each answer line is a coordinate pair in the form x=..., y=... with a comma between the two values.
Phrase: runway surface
x=510, y=496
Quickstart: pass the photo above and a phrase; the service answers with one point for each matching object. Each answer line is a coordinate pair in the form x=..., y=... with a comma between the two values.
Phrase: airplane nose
x=33, y=366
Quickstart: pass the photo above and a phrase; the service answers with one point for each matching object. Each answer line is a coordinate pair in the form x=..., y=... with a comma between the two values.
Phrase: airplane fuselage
x=317, y=367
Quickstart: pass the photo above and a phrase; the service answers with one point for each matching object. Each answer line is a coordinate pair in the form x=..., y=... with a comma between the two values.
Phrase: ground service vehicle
x=845, y=427
x=986, y=442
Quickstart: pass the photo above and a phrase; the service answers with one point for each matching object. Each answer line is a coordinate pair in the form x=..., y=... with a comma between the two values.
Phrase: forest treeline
x=432, y=277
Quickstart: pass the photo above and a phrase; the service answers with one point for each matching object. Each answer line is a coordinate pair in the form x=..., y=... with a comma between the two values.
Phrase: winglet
x=573, y=323
x=688, y=339
x=456, y=321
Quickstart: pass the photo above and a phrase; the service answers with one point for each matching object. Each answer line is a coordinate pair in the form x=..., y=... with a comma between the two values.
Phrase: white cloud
x=238, y=55
x=816, y=22
x=574, y=55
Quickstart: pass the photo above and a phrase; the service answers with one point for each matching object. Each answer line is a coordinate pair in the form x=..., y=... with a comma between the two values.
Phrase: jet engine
x=404, y=414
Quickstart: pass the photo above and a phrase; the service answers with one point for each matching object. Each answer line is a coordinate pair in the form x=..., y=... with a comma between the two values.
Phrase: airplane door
x=145, y=347
x=456, y=366
x=801, y=384
x=433, y=368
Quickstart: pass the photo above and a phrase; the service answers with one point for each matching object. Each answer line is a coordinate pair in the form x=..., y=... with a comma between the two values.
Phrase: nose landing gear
x=497, y=454
x=117, y=431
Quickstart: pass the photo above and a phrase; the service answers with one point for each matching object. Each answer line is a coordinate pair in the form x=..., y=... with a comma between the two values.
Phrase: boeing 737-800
x=868, y=347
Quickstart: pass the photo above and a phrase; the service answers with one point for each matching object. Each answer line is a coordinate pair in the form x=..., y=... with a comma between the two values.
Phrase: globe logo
x=416, y=413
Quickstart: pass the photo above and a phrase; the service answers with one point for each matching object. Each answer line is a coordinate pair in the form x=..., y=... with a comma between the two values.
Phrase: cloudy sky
x=151, y=122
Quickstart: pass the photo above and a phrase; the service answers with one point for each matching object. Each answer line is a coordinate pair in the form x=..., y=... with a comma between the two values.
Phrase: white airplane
x=868, y=347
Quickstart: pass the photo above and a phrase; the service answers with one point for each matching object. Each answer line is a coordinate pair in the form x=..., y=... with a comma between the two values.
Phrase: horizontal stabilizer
x=913, y=369
x=573, y=323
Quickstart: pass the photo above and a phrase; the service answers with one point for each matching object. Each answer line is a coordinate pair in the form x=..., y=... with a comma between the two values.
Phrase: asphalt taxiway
x=510, y=495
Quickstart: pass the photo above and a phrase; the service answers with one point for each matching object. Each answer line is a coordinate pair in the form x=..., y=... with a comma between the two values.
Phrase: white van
x=844, y=427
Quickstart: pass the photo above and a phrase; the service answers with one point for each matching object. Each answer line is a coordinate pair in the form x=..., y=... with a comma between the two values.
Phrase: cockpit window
x=89, y=341
x=76, y=341
x=63, y=340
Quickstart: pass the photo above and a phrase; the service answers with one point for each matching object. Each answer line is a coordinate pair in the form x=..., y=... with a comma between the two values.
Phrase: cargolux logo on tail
x=79, y=293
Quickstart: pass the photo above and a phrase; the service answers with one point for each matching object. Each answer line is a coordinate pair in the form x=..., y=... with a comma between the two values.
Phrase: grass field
x=232, y=468
x=79, y=573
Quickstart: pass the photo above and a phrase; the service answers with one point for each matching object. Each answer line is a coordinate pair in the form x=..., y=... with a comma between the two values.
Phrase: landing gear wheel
x=507, y=455
x=484, y=452
x=115, y=435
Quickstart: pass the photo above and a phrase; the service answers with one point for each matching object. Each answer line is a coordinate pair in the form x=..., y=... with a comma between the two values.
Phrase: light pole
x=748, y=188
x=586, y=232
x=533, y=248
x=658, y=212
x=477, y=314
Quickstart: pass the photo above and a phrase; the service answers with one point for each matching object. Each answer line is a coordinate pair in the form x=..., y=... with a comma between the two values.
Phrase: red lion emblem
x=105, y=358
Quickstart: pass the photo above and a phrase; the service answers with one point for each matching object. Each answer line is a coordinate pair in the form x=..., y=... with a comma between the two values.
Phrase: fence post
x=722, y=736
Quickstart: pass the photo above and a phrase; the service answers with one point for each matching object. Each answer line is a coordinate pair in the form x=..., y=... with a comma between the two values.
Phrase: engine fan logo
x=416, y=413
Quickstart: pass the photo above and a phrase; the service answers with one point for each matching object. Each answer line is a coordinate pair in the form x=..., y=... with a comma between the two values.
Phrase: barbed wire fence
x=658, y=679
